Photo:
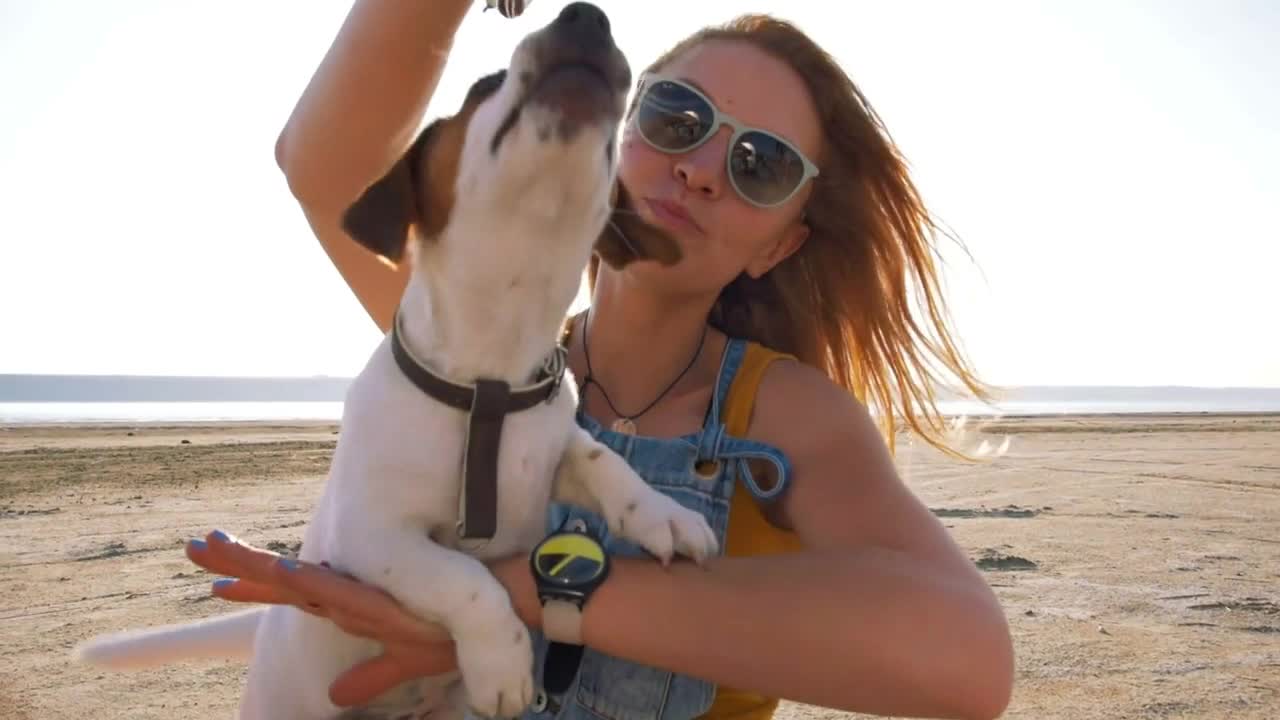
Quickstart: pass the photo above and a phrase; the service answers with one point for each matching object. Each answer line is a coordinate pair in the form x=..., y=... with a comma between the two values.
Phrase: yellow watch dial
x=569, y=559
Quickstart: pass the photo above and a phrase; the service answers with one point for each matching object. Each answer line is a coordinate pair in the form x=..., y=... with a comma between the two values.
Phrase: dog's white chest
x=400, y=461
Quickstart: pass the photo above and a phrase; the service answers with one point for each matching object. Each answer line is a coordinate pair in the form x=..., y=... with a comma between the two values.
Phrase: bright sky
x=1114, y=167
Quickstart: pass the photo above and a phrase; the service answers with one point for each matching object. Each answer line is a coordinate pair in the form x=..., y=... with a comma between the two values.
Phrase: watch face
x=570, y=559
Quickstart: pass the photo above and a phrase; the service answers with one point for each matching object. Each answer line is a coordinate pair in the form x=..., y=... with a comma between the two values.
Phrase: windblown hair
x=843, y=301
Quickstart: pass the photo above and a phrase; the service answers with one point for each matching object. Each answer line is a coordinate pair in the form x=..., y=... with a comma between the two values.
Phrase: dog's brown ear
x=416, y=195
x=627, y=238
x=384, y=215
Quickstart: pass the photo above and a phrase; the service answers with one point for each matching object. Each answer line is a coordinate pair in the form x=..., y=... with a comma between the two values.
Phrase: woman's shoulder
x=820, y=426
x=783, y=383
x=799, y=408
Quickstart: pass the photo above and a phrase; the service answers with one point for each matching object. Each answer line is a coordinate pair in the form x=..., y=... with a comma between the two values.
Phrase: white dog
x=504, y=203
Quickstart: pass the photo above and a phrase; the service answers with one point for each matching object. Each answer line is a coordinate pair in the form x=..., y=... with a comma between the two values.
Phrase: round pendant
x=624, y=425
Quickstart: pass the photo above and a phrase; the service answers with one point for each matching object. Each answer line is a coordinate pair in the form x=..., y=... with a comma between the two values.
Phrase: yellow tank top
x=749, y=532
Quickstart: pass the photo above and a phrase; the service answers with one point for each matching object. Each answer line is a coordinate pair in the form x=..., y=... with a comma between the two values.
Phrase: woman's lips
x=673, y=215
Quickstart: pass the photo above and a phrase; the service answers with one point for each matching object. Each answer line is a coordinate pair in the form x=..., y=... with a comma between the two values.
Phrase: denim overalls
x=699, y=470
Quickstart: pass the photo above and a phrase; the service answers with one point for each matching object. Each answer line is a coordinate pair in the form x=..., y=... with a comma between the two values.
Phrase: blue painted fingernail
x=220, y=536
x=288, y=564
x=223, y=583
x=197, y=545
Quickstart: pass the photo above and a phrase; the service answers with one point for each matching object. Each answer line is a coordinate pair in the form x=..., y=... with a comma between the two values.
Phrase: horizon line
x=349, y=378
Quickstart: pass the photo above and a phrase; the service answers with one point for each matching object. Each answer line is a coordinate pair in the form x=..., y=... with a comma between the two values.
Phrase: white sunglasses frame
x=718, y=119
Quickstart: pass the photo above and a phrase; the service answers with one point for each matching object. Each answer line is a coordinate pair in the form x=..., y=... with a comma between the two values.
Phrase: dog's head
x=533, y=146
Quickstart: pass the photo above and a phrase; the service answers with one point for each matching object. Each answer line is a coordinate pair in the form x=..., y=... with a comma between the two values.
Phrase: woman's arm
x=357, y=115
x=881, y=614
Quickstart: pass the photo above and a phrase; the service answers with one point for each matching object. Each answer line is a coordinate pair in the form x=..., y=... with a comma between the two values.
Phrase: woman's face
x=690, y=194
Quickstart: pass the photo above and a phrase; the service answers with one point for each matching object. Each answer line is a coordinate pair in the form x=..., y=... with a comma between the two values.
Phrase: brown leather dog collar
x=487, y=403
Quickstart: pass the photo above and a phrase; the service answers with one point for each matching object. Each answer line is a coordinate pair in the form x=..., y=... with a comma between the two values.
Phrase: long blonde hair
x=843, y=301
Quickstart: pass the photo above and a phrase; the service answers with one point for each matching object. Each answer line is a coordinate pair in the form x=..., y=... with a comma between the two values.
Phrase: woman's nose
x=702, y=169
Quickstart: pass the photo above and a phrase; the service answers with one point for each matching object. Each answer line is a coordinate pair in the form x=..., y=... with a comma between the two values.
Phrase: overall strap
x=741, y=398
x=712, y=436
x=735, y=352
x=739, y=403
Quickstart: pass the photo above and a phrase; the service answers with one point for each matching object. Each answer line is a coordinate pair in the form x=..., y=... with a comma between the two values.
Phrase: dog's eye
x=486, y=86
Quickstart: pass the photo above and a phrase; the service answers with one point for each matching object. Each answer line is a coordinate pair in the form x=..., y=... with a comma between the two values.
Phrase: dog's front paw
x=496, y=664
x=664, y=527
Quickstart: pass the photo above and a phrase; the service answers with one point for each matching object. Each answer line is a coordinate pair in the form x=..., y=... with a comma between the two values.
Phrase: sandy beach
x=1138, y=557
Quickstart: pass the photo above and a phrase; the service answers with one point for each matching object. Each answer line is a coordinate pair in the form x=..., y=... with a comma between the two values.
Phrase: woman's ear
x=778, y=250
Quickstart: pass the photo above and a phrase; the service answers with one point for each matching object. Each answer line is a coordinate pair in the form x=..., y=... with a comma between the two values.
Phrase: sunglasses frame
x=720, y=118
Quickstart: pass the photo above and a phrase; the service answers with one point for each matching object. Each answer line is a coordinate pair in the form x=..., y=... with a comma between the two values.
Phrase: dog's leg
x=495, y=655
x=594, y=477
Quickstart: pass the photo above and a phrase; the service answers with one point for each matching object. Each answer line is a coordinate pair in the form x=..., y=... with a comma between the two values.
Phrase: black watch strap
x=560, y=666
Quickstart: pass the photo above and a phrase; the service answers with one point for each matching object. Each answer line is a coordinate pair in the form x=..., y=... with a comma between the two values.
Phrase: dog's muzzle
x=574, y=70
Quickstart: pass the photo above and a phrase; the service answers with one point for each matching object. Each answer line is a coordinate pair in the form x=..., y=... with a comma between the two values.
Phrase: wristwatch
x=568, y=566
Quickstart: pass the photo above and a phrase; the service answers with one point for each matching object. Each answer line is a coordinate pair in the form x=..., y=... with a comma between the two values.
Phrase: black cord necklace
x=627, y=423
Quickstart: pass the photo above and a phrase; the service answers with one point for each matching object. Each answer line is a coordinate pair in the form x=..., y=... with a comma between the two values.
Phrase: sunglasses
x=675, y=117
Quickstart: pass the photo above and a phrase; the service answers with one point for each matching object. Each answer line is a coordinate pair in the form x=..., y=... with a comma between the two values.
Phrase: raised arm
x=356, y=117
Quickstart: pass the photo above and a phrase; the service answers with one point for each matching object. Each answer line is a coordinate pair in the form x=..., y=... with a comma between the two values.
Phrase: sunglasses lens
x=672, y=117
x=765, y=169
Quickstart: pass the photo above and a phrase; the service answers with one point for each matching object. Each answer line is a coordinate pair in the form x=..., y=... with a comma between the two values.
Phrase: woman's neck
x=637, y=344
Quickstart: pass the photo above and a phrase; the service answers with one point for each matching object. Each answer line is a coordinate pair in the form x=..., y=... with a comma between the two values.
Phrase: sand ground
x=1138, y=557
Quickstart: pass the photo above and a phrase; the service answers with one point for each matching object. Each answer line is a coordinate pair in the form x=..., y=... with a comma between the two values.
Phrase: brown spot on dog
x=594, y=453
x=626, y=238
x=416, y=194
x=437, y=192
x=474, y=597
x=631, y=507
x=519, y=637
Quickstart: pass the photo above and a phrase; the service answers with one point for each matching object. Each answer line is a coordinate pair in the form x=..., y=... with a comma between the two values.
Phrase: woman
x=787, y=318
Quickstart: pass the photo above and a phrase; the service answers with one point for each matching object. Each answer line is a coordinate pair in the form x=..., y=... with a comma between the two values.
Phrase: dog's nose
x=583, y=22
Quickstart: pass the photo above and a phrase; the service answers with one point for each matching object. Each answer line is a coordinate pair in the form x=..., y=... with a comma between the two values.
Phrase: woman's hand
x=411, y=648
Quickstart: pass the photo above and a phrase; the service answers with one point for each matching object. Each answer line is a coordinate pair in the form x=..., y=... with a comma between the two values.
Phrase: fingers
x=249, y=571
x=355, y=600
x=225, y=555
x=365, y=681
x=414, y=647
x=265, y=576
x=373, y=628
x=253, y=592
